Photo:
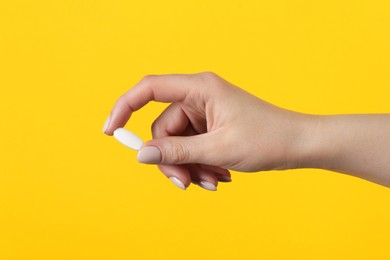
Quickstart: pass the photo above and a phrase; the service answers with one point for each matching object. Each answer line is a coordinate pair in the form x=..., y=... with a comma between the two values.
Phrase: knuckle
x=209, y=75
x=179, y=153
x=147, y=79
x=211, y=79
x=121, y=101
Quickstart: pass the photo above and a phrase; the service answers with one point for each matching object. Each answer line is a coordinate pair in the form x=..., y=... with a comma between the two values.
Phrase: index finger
x=162, y=88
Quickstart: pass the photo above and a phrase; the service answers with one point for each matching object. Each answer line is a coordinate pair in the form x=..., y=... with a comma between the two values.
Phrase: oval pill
x=128, y=138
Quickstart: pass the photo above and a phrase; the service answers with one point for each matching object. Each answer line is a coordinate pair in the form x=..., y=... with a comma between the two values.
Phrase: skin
x=212, y=126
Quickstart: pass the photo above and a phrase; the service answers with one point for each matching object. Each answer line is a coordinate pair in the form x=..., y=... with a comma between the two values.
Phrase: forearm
x=358, y=145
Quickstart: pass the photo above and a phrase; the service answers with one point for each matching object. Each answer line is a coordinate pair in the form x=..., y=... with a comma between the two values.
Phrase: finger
x=162, y=88
x=172, y=121
x=178, y=174
x=223, y=175
x=182, y=150
x=203, y=178
x=183, y=147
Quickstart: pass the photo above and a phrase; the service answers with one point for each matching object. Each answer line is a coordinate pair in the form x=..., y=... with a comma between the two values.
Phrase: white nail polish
x=106, y=123
x=128, y=139
x=178, y=183
x=207, y=185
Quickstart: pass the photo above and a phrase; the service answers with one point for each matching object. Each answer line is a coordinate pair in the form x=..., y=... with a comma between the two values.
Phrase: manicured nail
x=178, y=183
x=224, y=178
x=106, y=124
x=207, y=185
x=149, y=154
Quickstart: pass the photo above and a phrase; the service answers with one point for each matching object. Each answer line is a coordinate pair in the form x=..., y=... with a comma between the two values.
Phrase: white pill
x=128, y=139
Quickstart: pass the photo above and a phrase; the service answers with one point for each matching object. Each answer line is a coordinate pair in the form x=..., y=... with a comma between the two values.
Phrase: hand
x=212, y=126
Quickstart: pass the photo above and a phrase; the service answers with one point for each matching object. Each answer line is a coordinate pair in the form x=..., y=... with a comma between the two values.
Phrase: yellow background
x=69, y=192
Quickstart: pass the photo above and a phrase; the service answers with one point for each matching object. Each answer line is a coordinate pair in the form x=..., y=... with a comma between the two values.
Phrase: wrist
x=313, y=147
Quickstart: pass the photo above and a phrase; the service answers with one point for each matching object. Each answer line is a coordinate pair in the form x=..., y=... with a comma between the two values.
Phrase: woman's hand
x=212, y=126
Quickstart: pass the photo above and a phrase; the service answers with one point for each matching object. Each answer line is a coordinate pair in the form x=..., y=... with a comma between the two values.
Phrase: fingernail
x=149, y=154
x=224, y=178
x=105, y=126
x=207, y=185
x=178, y=183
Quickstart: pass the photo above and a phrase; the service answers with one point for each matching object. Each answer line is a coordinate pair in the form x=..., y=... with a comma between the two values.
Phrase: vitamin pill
x=128, y=139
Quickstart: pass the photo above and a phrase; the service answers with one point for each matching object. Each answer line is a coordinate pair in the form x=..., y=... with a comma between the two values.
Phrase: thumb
x=178, y=150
